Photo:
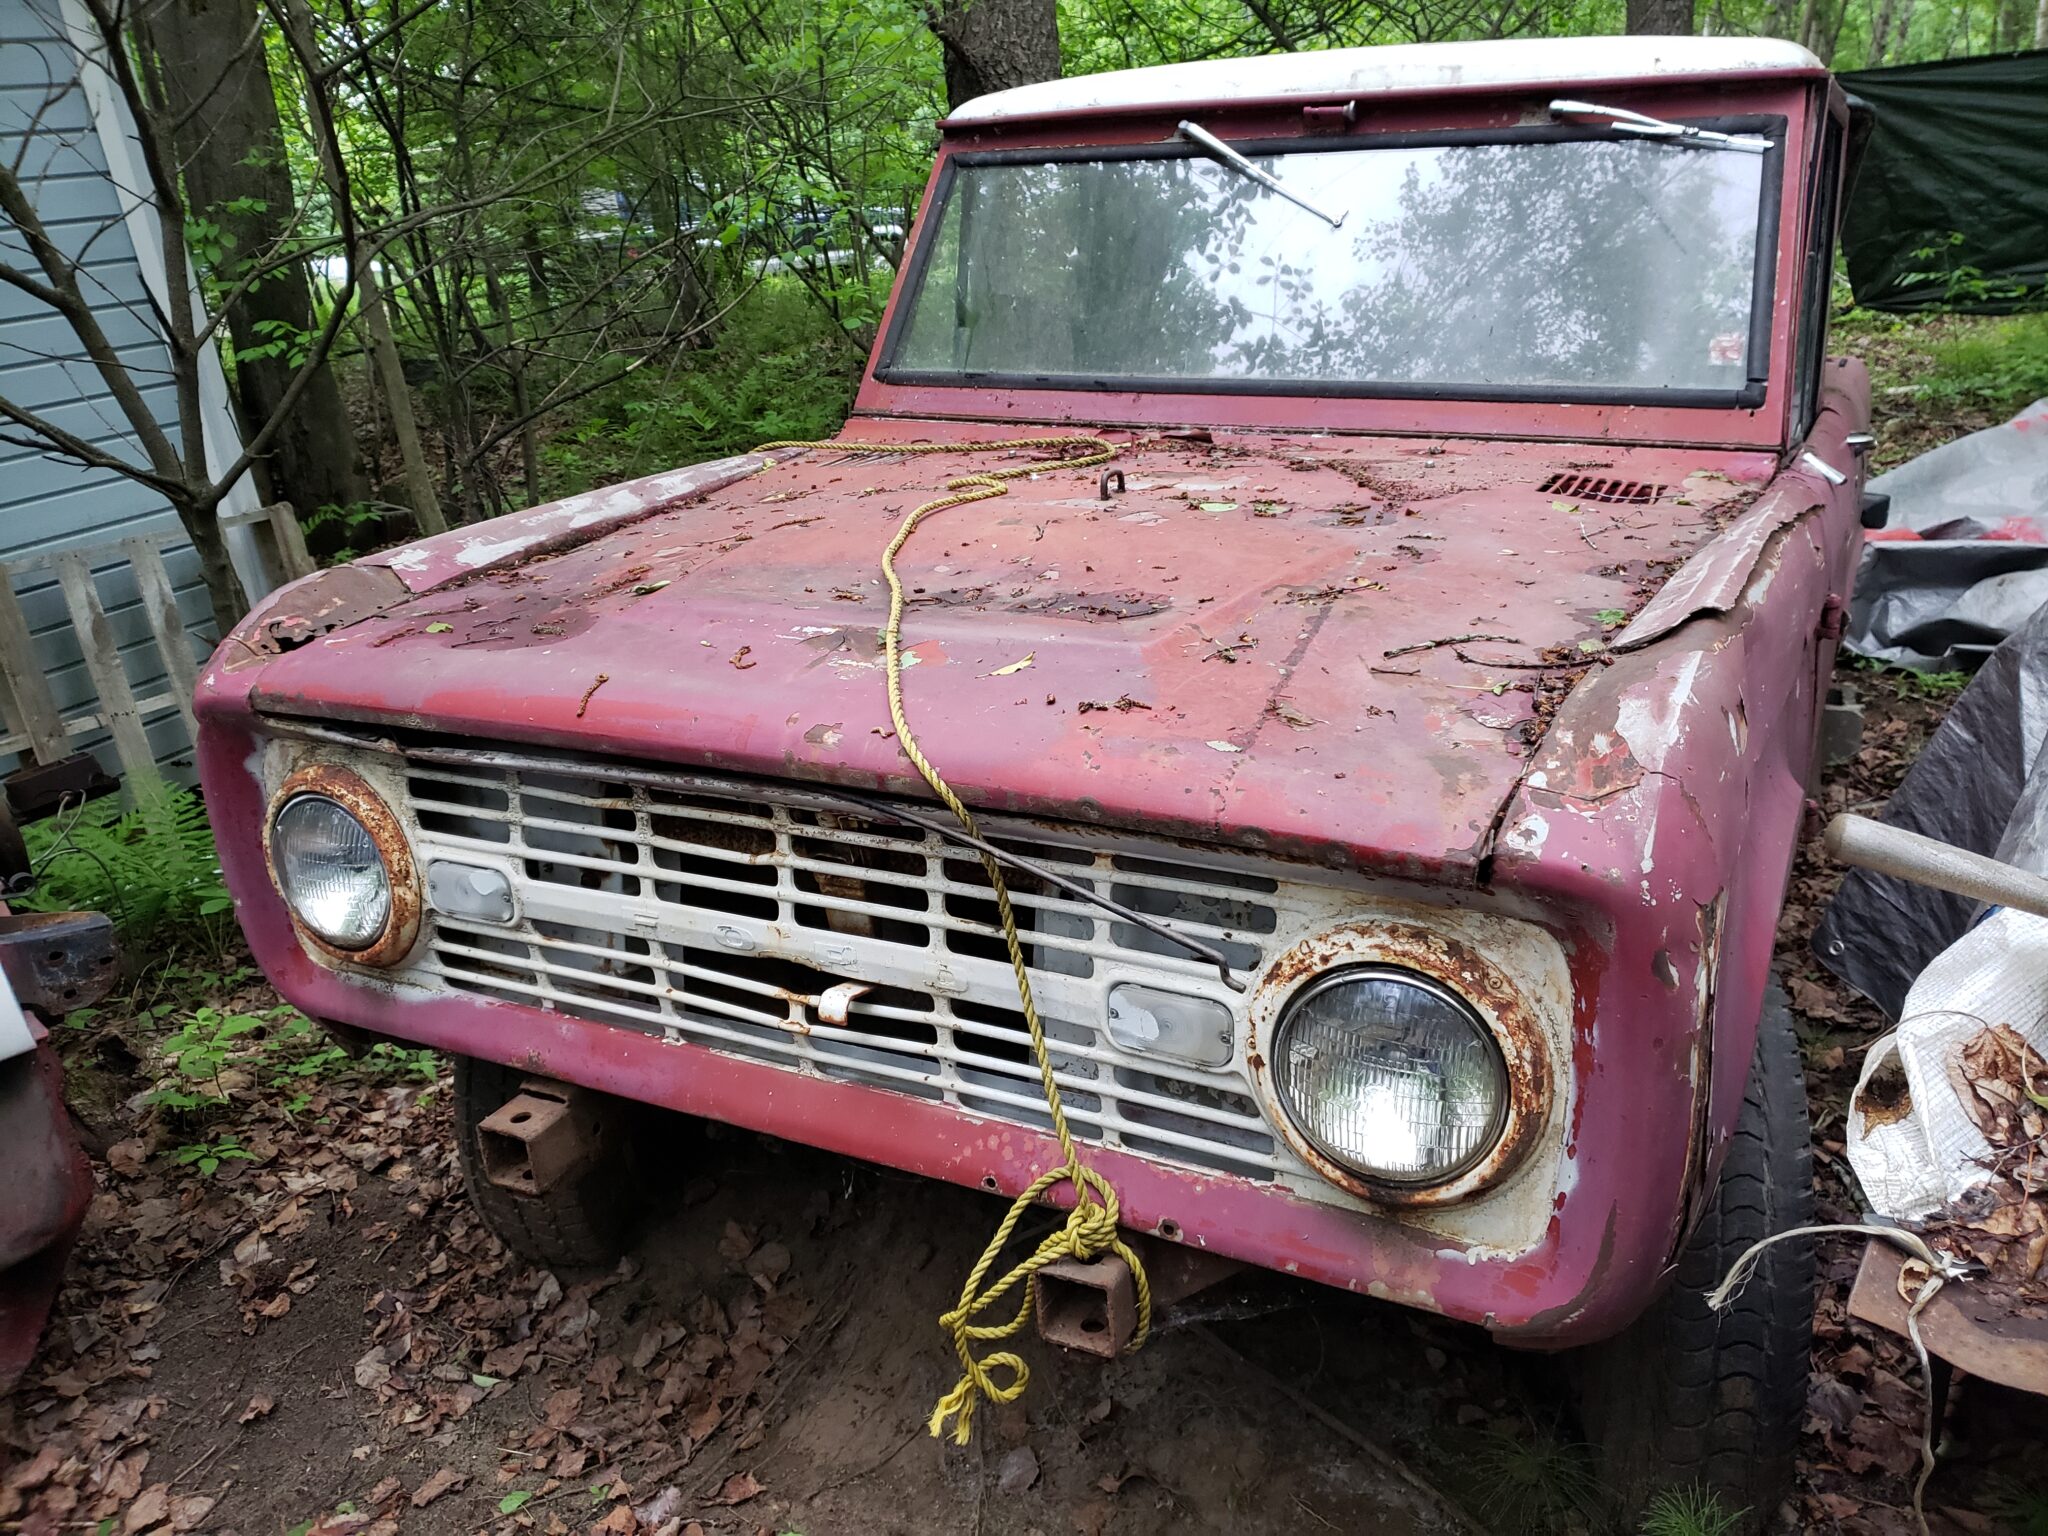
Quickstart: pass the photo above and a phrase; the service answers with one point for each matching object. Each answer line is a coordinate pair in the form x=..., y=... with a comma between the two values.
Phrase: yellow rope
x=1091, y=1228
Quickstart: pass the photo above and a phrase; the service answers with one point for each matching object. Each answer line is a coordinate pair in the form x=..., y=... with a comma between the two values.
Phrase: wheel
x=581, y=1222
x=1692, y=1398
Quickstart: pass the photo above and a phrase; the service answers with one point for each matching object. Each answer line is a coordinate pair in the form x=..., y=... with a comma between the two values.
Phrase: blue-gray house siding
x=49, y=130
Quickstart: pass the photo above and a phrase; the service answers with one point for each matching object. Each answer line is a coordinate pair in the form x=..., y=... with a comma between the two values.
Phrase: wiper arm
x=1624, y=121
x=1223, y=154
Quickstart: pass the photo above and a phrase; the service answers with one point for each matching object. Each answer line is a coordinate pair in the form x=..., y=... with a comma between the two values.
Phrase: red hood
x=1253, y=643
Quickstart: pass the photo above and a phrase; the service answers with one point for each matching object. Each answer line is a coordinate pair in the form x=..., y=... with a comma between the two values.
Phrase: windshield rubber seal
x=1763, y=285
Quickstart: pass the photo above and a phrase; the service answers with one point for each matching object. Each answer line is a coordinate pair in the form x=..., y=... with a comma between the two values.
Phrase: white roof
x=1400, y=67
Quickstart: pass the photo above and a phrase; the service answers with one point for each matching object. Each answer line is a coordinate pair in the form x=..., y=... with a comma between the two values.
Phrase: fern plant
x=152, y=867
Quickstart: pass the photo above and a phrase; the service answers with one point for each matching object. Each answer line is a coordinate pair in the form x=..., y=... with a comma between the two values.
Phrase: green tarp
x=1950, y=209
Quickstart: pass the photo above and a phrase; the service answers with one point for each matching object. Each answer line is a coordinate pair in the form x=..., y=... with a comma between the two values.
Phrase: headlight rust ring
x=1470, y=976
x=352, y=793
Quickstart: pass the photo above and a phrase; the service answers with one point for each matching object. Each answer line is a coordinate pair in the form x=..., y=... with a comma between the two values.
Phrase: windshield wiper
x=1624, y=121
x=1223, y=154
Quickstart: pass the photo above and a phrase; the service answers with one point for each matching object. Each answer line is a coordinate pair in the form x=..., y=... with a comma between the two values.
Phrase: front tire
x=1688, y=1397
x=580, y=1223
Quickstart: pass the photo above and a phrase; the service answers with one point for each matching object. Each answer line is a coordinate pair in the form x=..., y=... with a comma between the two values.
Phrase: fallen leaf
x=151, y=1507
x=259, y=1405
x=514, y=1501
x=562, y=1407
x=739, y=657
x=128, y=1157
x=1019, y=1470
x=739, y=1488
x=1015, y=666
x=439, y=629
x=189, y=1511
x=373, y=1370
x=1224, y=746
x=447, y=1480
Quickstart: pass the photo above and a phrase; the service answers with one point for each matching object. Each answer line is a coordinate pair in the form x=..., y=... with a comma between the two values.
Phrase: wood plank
x=30, y=709
x=291, y=541
x=95, y=554
x=160, y=603
x=103, y=664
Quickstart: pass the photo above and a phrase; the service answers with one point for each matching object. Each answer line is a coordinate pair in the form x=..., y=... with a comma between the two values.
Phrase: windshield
x=1615, y=267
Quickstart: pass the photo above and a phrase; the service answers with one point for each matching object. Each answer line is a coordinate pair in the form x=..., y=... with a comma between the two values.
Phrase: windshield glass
x=1602, y=264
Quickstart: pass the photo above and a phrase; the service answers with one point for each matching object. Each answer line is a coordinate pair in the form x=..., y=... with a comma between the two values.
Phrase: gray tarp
x=1982, y=784
x=1978, y=566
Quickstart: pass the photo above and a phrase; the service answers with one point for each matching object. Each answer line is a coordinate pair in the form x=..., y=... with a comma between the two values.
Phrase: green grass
x=1523, y=1485
x=1689, y=1512
x=2002, y=364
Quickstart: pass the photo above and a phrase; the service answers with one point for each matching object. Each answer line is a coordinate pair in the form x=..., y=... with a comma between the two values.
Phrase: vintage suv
x=1398, y=747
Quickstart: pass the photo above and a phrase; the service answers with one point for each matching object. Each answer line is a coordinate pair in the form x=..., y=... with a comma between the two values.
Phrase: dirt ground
x=319, y=1338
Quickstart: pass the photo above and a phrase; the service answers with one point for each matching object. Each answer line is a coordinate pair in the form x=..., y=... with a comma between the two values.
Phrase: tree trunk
x=232, y=152
x=1671, y=18
x=991, y=45
x=2041, y=25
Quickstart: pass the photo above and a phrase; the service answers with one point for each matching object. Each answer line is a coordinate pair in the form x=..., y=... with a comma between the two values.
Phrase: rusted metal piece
x=1501, y=1000
x=38, y=789
x=317, y=605
x=349, y=790
x=1111, y=484
x=58, y=961
x=545, y=1134
x=1976, y=1326
x=835, y=1001
x=1177, y=1270
x=1090, y=1307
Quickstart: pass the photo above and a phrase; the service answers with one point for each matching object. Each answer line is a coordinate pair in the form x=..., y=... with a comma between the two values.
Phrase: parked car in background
x=1397, y=748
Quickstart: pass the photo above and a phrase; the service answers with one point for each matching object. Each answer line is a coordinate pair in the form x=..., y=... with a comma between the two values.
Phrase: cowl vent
x=1597, y=488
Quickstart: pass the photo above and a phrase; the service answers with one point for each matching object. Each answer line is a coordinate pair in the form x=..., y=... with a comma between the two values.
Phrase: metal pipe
x=1907, y=855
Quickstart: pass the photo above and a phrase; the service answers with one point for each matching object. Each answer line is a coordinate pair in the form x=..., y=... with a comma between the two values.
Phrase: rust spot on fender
x=325, y=601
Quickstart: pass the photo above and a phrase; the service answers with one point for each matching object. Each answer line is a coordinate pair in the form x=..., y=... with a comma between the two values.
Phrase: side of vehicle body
x=48, y=1183
x=1596, y=870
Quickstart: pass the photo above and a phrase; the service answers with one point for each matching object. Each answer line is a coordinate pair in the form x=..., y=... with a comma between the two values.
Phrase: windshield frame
x=1753, y=394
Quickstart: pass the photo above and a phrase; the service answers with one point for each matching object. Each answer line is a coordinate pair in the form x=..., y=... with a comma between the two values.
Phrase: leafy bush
x=779, y=369
x=152, y=868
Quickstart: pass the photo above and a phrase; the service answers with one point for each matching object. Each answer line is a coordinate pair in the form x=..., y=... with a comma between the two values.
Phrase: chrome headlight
x=343, y=865
x=329, y=870
x=1391, y=1074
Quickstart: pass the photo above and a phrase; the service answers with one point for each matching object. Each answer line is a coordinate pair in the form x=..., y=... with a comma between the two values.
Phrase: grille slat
x=720, y=920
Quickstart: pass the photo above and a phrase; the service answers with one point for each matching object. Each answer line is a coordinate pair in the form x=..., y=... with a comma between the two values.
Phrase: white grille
x=720, y=914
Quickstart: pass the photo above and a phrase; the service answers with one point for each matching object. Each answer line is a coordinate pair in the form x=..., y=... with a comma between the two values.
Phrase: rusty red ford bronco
x=1395, y=751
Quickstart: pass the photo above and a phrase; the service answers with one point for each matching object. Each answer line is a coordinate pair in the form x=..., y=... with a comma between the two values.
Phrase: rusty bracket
x=58, y=961
x=1978, y=1327
x=1111, y=483
x=544, y=1134
x=1091, y=1307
